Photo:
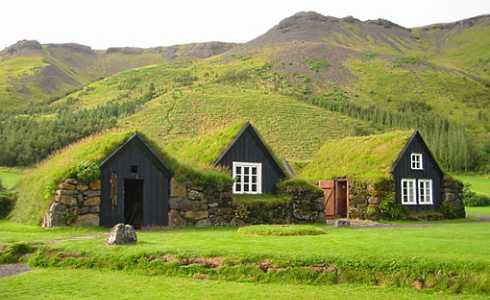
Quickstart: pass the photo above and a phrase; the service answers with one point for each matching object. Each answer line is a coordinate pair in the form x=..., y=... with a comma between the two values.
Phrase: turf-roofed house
x=227, y=176
x=253, y=166
x=135, y=186
x=390, y=175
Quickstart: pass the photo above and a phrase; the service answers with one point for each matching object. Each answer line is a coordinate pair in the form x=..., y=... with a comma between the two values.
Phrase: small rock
x=66, y=192
x=196, y=215
x=67, y=186
x=71, y=181
x=92, y=201
x=95, y=185
x=94, y=209
x=214, y=204
x=82, y=187
x=91, y=193
x=175, y=219
x=203, y=223
x=68, y=200
x=418, y=284
x=342, y=223
x=84, y=210
x=122, y=234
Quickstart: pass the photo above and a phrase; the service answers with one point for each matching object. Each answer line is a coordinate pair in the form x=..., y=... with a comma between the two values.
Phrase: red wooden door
x=341, y=196
x=328, y=187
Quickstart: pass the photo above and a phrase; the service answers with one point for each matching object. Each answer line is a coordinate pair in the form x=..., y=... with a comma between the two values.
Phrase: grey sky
x=146, y=23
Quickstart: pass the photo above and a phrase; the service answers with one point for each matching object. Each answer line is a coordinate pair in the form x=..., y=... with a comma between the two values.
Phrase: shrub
x=390, y=209
x=281, y=230
x=262, y=209
x=317, y=64
x=186, y=79
x=234, y=76
x=6, y=203
x=471, y=198
x=86, y=172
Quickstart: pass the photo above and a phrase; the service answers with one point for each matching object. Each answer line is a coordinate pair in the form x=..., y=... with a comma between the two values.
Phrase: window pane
x=254, y=170
x=238, y=187
x=245, y=187
x=246, y=170
x=238, y=170
x=254, y=179
x=254, y=187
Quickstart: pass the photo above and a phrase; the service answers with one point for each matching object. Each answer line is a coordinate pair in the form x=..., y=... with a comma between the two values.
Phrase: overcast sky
x=146, y=23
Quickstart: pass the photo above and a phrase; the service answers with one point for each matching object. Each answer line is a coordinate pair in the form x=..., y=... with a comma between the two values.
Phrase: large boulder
x=122, y=234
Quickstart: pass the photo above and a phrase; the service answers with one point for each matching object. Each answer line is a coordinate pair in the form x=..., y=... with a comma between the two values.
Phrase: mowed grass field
x=92, y=284
x=85, y=264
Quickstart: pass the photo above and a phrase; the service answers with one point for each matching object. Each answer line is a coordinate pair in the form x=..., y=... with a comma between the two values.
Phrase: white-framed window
x=425, y=192
x=408, y=192
x=416, y=161
x=248, y=178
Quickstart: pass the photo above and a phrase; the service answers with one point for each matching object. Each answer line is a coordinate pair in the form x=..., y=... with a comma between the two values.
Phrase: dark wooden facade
x=135, y=186
x=431, y=170
x=247, y=146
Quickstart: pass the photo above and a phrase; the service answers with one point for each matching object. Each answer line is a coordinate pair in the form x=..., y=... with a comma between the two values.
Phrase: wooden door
x=341, y=196
x=328, y=187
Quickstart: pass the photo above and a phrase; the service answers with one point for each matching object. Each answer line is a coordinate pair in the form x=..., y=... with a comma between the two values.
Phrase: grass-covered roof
x=366, y=157
x=36, y=188
x=205, y=149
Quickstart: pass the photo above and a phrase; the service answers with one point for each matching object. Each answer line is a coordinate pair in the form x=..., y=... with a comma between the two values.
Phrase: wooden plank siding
x=431, y=170
x=248, y=147
x=156, y=184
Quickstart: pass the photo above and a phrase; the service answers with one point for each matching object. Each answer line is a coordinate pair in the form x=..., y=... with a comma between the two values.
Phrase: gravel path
x=12, y=269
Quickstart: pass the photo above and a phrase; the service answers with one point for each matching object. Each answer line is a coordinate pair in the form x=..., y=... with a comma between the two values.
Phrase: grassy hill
x=309, y=79
x=31, y=72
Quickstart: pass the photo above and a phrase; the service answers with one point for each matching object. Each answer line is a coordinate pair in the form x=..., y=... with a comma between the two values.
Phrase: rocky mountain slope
x=31, y=72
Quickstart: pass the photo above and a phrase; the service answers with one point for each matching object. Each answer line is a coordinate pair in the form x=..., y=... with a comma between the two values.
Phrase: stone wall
x=200, y=206
x=74, y=203
x=452, y=198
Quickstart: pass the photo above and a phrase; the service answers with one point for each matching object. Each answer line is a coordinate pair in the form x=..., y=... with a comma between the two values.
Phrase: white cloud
x=146, y=23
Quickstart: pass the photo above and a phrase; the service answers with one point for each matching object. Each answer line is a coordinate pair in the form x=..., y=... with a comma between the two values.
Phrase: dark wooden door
x=328, y=187
x=341, y=195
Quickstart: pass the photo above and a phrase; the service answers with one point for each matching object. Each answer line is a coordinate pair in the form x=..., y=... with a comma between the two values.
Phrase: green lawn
x=478, y=211
x=459, y=243
x=9, y=176
x=479, y=183
x=449, y=256
x=90, y=284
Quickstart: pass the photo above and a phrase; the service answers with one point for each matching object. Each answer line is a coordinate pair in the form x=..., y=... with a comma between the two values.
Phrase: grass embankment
x=10, y=176
x=92, y=284
x=36, y=188
x=280, y=230
x=479, y=183
x=449, y=257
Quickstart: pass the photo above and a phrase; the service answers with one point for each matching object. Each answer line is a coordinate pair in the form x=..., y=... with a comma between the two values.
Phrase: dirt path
x=12, y=269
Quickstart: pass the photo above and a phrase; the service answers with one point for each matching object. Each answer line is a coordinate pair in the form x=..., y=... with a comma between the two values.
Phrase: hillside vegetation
x=309, y=79
x=33, y=73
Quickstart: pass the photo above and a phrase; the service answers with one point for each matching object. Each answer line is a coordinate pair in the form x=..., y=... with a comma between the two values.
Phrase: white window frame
x=409, y=197
x=416, y=162
x=242, y=182
x=425, y=192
